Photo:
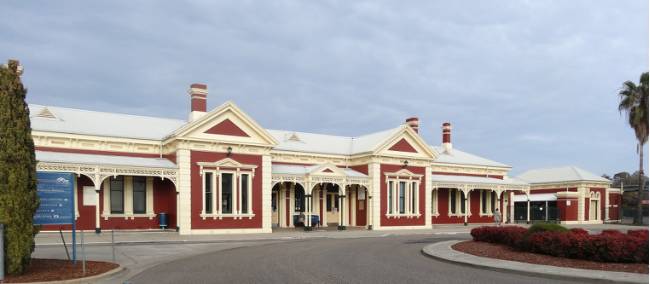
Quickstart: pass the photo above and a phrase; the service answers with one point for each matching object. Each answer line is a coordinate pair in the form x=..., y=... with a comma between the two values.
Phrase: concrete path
x=443, y=251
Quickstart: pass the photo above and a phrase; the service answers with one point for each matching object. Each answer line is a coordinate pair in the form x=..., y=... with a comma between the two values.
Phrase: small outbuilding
x=568, y=195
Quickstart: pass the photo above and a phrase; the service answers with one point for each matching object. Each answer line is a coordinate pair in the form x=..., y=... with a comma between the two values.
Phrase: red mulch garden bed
x=504, y=252
x=56, y=269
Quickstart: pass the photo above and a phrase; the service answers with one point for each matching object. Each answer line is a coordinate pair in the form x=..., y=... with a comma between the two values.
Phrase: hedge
x=608, y=246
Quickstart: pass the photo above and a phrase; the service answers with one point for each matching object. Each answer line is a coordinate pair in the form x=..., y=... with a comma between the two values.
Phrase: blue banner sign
x=56, y=191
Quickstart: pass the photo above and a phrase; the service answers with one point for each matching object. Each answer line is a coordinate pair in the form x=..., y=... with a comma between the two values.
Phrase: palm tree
x=634, y=102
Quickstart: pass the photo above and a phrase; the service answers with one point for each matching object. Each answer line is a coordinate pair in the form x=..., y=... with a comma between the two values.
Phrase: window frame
x=139, y=180
x=112, y=189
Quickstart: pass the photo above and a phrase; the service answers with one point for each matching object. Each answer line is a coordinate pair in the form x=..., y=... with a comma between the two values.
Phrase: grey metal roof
x=463, y=158
x=560, y=174
x=92, y=159
x=77, y=121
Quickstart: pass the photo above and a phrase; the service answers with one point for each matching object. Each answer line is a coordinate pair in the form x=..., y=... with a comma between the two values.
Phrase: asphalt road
x=388, y=259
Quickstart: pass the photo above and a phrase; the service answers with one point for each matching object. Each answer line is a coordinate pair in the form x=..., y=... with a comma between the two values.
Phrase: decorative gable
x=227, y=127
x=327, y=169
x=405, y=143
x=226, y=124
x=403, y=146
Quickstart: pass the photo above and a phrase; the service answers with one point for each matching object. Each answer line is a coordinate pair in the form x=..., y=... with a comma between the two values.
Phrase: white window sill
x=403, y=215
x=127, y=216
x=229, y=215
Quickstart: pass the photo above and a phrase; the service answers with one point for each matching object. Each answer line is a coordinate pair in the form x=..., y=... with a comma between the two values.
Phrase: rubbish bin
x=315, y=220
x=162, y=220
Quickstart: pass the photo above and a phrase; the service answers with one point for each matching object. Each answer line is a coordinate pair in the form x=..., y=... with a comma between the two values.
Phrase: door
x=274, y=206
x=361, y=212
x=593, y=210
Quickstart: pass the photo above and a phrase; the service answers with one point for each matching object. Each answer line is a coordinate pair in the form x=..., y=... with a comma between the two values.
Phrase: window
x=328, y=200
x=462, y=202
x=274, y=201
x=412, y=196
x=226, y=193
x=207, y=197
x=402, y=192
x=453, y=193
x=484, y=208
x=117, y=195
x=390, y=197
x=244, y=193
x=300, y=200
x=493, y=198
x=139, y=195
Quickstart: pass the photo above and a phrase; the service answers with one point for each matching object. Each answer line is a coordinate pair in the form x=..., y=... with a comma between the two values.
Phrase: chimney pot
x=414, y=123
x=198, y=100
x=446, y=136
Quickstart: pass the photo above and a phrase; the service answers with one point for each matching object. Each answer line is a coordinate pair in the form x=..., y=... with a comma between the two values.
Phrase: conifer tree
x=18, y=197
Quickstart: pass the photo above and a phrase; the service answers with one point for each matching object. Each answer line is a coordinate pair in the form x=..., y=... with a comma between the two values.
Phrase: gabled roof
x=560, y=174
x=329, y=144
x=463, y=158
x=77, y=121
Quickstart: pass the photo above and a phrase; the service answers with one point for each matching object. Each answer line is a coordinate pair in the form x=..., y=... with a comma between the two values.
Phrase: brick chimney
x=414, y=123
x=198, y=97
x=446, y=137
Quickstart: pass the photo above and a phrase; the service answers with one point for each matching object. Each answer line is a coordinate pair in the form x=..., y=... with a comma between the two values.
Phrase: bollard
x=2, y=253
x=113, y=244
x=83, y=254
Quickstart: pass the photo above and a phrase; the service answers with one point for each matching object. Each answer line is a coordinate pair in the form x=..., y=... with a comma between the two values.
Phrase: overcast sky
x=527, y=83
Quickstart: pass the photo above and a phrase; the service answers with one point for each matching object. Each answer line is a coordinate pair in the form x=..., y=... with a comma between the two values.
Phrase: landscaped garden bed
x=553, y=244
x=41, y=270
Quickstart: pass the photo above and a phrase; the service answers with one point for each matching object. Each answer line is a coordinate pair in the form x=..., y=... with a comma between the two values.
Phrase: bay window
x=227, y=193
x=402, y=196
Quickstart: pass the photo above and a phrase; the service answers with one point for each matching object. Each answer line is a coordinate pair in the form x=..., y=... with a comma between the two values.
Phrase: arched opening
x=288, y=205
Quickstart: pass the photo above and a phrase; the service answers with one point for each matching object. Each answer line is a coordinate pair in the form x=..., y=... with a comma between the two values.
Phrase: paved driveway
x=386, y=259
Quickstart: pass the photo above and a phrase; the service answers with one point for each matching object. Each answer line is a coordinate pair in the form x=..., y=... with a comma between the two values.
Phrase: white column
x=527, y=209
x=466, y=194
x=267, y=192
x=375, y=191
x=512, y=207
x=282, y=203
x=292, y=203
x=128, y=196
x=184, y=218
x=606, y=205
x=98, y=227
x=324, y=198
x=582, y=194
x=428, y=192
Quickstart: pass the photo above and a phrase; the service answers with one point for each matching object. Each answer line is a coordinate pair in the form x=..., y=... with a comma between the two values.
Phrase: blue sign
x=56, y=191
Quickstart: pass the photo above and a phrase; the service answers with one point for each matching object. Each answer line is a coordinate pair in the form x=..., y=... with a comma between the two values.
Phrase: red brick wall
x=402, y=221
x=164, y=201
x=567, y=213
x=197, y=192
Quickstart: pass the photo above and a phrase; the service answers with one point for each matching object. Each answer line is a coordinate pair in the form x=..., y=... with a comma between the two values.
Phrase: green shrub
x=546, y=227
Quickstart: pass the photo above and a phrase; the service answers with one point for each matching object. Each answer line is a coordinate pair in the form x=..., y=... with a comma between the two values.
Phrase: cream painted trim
x=149, y=196
x=128, y=216
x=128, y=195
x=228, y=106
x=221, y=216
